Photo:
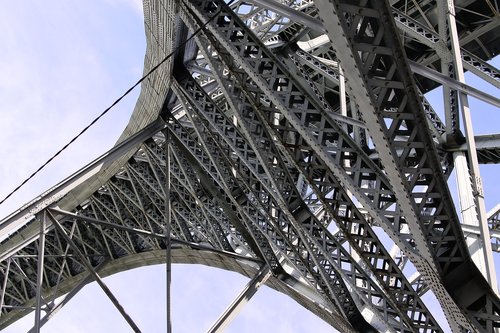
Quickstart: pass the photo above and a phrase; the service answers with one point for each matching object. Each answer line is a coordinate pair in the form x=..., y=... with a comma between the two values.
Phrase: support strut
x=242, y=299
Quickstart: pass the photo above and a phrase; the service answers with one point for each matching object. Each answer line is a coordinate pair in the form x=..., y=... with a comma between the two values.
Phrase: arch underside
x=184, y=254
x=269, y=166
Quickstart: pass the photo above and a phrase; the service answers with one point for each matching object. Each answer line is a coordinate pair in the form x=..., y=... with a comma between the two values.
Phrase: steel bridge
x=289, y=141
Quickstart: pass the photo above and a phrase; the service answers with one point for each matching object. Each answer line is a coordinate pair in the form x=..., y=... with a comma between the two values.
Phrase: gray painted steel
x=304, y=149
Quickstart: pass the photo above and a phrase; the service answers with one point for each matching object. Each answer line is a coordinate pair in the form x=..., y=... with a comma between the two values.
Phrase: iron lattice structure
x=293, y=137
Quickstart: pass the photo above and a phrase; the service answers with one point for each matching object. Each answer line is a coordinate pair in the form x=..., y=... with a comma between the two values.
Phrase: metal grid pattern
x=300, y=140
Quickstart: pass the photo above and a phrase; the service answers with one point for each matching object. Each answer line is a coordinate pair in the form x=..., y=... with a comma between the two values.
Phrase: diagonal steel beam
x=94, y=274
x=107, y=224
x=414, y=28
x=261, y=205
x=209, y=110
x=375, y=47
x=265, y=233
x=18, y=218
x=452, y=83
x=244, y=297
x=195, y=97
x=53, y=310
x=4, y=284
x=209, y=174
x=39, y=278
x=210, y=218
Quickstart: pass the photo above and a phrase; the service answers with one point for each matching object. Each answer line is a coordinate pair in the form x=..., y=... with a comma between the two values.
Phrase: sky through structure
x=62, y=64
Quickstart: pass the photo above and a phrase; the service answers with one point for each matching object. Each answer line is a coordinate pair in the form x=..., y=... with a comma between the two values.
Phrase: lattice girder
x=251, y=54
x=262, y=164
x=278, y=232
x=262, y=146
x=298, y=134
x=375, y=66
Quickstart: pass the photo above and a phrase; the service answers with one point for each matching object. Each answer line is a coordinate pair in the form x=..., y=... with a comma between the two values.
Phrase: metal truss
x=289, y=141
x=494, y=226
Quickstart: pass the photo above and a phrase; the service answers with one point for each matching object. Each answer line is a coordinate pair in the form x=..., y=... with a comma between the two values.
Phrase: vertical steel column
x=168, y=227
x=39, y=278
x=4, y=286
x=65, y=262
x=484, y=261
x=342, y=92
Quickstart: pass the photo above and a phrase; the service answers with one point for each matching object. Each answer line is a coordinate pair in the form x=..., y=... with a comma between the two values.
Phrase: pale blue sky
x=62, y=64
